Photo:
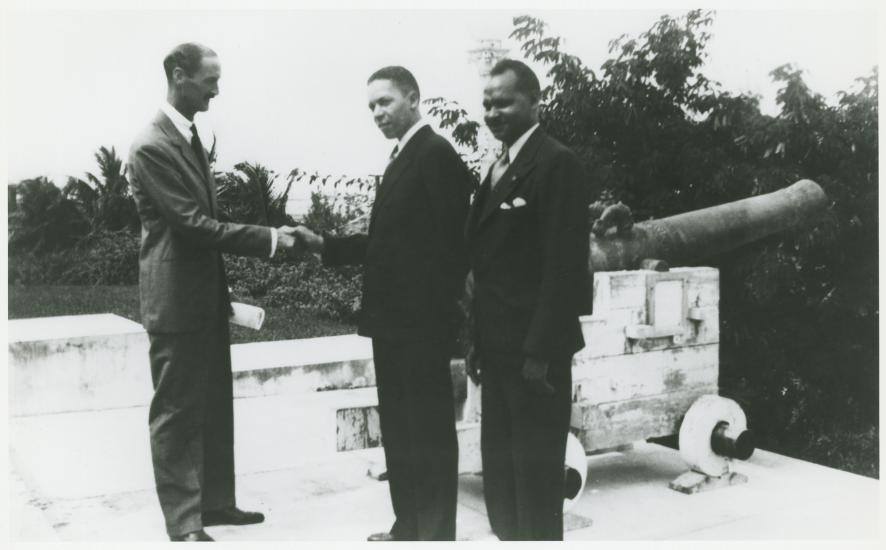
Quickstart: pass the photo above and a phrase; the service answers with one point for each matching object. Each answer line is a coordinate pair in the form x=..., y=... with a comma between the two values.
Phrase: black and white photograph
x=291, y=271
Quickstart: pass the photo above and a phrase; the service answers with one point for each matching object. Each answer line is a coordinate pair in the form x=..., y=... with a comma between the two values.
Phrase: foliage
x=471, y=138
x=248, y=195
x=45, y=220
x=105, y=258
x=342, y=213
x=106, y=200
x=798, y=311
x=297, y=284
x=100, y=258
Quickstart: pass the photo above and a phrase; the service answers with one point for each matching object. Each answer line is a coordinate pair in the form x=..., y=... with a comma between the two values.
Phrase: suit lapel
x=395, y=169
x=480, y=199
x=206, y=188
x=522, y=165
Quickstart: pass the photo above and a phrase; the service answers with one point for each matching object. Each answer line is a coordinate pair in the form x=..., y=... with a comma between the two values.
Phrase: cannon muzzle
x=696, y=235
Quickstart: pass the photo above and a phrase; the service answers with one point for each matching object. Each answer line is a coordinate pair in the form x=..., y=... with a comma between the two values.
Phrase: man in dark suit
x=528, y=238
x=414, y=261
x=185, y=302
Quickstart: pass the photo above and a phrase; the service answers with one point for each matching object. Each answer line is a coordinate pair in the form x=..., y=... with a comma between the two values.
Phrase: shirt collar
x=409, y=133
x=181, y=123
x=515, y=147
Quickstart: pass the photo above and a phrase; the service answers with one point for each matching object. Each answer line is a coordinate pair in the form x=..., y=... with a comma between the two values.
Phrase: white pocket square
x=518, y=202
x=505, y=206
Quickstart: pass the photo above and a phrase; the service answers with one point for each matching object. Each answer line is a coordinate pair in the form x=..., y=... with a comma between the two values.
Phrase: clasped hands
x=291, y=238
x=534, y=372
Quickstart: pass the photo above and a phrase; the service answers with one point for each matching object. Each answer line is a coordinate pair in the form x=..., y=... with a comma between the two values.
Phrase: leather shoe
x=194, y=536
x=231, y=516
x=381, y=537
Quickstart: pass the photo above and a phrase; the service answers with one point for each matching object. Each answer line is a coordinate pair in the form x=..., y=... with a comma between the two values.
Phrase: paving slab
x=86, y=476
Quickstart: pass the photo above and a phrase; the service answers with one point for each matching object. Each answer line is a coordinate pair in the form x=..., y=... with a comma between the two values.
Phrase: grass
x=46, y=301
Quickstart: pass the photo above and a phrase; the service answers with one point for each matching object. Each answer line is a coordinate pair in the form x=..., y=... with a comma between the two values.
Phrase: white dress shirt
x=183, y=125
x=515, y=147
x=409, y=133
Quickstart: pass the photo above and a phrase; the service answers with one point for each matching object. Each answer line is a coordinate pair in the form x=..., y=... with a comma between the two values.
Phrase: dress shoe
x=381, y=537
x=193, y=536
x=231, y=516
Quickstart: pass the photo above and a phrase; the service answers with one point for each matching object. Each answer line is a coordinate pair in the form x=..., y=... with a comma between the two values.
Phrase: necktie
x=500, y=167
x=197, y=147
x=394, y=153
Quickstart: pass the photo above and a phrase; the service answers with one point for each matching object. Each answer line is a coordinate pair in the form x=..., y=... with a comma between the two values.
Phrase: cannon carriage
x=650, y=367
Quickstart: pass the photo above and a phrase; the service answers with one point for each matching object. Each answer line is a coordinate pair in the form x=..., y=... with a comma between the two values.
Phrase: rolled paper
x=247, y=316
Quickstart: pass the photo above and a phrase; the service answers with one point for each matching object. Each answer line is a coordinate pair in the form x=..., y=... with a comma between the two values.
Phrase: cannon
x=651, y=364
x=708, y=232
x=650, y=367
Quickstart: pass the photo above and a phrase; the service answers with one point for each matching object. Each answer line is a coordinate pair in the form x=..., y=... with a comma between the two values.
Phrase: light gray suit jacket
x=182, y=285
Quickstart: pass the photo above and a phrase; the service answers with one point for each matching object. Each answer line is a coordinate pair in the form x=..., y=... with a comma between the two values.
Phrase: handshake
x=299, y=238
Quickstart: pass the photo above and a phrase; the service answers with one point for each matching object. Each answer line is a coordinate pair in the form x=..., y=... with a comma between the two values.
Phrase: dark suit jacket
x=528, y=240
x=182, y=283
x=414, y=253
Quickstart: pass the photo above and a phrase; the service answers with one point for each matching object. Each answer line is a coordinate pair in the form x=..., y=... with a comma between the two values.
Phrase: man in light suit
x=528, y=238
x=185, y=302
x=415, y=261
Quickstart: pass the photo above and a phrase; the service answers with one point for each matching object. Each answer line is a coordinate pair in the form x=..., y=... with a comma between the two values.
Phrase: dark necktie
x=394, y=153
x=197, y=147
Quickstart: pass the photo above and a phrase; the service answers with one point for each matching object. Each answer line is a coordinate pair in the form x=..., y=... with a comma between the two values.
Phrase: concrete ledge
x=305, y=365
x=98, y=362
x=77, y=362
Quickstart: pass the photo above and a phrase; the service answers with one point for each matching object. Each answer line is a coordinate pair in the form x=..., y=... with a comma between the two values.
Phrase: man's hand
x=286, y=238
x=473, y=366
x=308, y=239
x=535, y=373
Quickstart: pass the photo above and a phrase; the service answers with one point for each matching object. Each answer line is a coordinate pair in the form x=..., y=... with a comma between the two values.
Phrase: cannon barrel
x=710, y=231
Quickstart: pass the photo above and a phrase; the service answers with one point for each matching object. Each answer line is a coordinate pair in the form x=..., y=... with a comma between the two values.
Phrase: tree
x=248, y=195
x=45, y=219
x=106, y=199
x=798, y=311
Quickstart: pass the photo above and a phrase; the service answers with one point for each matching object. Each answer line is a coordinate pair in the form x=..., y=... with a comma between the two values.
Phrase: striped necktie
x=500, y=167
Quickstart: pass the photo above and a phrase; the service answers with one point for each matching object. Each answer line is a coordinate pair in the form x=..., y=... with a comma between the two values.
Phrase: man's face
x=508, y=113
x=394, y=112
x=196, y=90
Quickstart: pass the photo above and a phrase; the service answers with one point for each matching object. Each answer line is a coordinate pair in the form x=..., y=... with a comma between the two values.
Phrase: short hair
x=400, y=76
x=187, y=56
x=527, y=82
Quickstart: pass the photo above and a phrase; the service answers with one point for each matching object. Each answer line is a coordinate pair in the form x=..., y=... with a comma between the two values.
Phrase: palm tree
x=45, y=219
x=106, y=199
x=247, y=195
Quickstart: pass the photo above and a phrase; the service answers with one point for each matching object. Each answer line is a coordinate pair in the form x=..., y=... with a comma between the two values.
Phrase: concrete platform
x=86, y=476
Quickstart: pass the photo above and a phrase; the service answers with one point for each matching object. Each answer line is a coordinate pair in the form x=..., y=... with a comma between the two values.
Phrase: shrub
x=297, y=283
x=105, y=258
x=248, y=195
x=100, y=258
x=45, y=220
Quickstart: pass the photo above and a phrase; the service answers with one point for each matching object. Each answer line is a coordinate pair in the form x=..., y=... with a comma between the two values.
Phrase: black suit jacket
x=528, y=240
x=414, y=254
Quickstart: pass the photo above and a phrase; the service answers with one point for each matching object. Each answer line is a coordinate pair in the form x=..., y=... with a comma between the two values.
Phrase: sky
x=293, y=87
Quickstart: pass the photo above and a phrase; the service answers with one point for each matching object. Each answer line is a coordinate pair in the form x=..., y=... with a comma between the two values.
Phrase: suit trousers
x=192, y=424
x=523, y=444
x=417, y=417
